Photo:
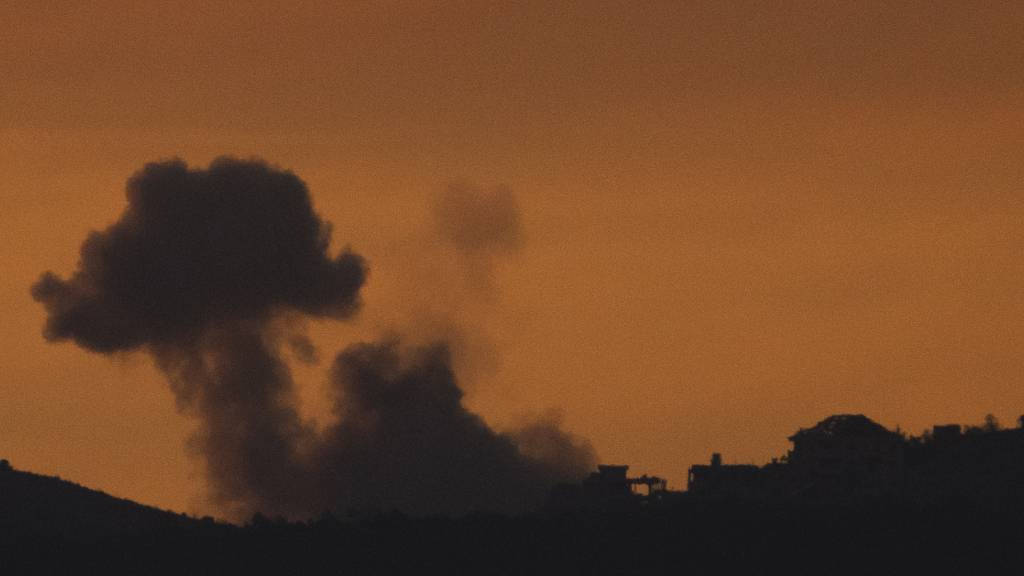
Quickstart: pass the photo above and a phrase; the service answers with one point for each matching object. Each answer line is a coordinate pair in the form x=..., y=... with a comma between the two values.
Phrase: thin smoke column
x=200, y=271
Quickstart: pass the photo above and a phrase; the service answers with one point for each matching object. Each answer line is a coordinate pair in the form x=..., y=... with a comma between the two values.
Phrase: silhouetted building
x=980, y=466
x=843, y=459
x=847, y=455
x=945, y=434
x=724, y=480
x=609, y=483
x=609, y=487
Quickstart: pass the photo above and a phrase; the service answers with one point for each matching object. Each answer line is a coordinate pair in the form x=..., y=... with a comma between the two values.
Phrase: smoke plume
x=481, y=226
x=200, y=271
x=401, y=418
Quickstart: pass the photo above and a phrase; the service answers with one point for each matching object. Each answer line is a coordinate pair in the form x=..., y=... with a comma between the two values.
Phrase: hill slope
x=39, y=504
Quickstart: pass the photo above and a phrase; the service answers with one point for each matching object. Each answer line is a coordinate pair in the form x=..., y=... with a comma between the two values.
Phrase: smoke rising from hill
x=199, y=270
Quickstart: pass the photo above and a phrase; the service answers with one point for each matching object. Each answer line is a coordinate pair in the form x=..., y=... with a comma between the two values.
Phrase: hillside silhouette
x=958, y=510
x=50, y=526
x=47, y=504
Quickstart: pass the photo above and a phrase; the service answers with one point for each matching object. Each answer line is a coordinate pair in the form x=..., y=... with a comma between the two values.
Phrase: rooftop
x=845, y=425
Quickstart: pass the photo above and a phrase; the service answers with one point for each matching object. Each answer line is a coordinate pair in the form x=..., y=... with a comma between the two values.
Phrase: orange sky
x=737, y=220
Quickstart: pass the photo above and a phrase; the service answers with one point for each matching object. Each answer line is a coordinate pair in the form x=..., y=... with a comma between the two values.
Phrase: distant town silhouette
x=843, y=459
x=850, y=497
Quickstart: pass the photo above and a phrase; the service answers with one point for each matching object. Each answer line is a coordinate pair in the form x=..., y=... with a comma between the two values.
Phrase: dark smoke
x=478, y=222
x=405, y=439
x=195, y=248
x=475, y=231
x=482, y=226
x=196, y=272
